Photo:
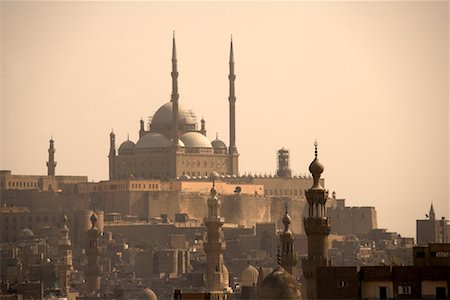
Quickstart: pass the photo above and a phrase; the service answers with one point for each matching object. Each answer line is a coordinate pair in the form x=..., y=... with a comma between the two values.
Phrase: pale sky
x=368, y=80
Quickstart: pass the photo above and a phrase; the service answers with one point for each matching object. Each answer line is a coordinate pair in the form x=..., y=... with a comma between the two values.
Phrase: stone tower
x=234, y=168
x=288, y=256
x=174, y=96
x=216, y=272
x=92, y=273
x=65, y=258
x=317, y=229
x=112, y=154
x=283, y=168
x=51, y=164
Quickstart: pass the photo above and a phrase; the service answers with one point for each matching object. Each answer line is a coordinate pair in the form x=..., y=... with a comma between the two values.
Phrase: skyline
x=368, y=81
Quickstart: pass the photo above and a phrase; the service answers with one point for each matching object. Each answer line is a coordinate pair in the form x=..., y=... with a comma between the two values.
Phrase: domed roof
x=250, y=276
x=163, y=115
x=147, y=294
x=126, y=145
x=218, y=144
x=180, y=142
x=279, y=285
x=25, y=235
x=195, y=140
x=153, y=140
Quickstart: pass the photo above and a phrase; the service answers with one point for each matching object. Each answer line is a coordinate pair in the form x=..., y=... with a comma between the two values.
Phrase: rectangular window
x=404, y=290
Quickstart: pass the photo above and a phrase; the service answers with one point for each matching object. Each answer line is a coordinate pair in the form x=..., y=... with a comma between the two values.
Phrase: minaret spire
x=51, y=164
x=233, y=153
x=174, y=97
x=112, y=154
x=432, y=215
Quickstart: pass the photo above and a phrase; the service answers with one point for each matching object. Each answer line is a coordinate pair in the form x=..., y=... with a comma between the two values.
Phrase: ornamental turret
x=51, y=164
x=65, y=257
x=288, y=256
x=216, y=272
x=92, y=272
x=317, y=228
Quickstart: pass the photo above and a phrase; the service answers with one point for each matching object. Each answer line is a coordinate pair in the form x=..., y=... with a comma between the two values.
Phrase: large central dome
x=163, y=116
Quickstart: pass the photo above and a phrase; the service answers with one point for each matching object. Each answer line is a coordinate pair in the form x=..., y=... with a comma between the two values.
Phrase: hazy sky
x=368, y=80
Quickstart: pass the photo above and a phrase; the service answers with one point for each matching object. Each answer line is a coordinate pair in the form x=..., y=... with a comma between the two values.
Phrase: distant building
x=351, y=220
x=432, y=230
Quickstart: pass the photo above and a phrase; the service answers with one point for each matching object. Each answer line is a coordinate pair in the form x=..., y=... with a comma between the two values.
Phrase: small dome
x=153, y=140
x=185, y=177
x=250, y=276
x=25, y=235
x=163, y=115
x=126, y=145
x=147, y=294
x=213, y=175
x=280, y=285
x=218, y=144
x=287, y=219
x=195, y=140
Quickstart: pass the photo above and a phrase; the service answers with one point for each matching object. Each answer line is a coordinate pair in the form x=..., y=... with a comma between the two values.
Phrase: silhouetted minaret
x=141, y=128
x=233, y=153
x=92, y=272
x=203, y=127
x=65, y=258
x=317, y=229
x=215, y=247
x=112, y=154
x=288, y=256
x=174, y=97
x=51, y=164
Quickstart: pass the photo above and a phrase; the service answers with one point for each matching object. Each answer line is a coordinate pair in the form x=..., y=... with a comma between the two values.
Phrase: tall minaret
x=317, y=228
x=174, y=97
x=215, y=247
x=234, y=168
x=51, y=164
x=92, y=272
x=112, y=154
x=141, y=128
x=65, y=258
x=288, y=256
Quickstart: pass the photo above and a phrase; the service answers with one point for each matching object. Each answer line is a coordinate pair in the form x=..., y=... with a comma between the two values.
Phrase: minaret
x=92, y=272
x=283, y=169
x=203, y=127
x=51, y=164
x=215, y=246
x=317, y=228
x=288, y=257
x=112, y=154
x=141, y=128
x=174, y=97
x=232, y=101
x=65, y=258
x=432, y=215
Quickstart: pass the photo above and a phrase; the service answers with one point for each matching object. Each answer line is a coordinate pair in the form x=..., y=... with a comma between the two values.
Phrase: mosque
x=174, y=146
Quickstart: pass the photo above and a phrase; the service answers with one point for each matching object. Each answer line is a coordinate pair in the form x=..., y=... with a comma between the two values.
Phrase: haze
x=368, y=80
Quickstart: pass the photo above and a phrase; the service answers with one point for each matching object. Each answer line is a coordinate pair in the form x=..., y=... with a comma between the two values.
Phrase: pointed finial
x=315, y=148
x=128, y=136
x=231, y=38
x=217, y=135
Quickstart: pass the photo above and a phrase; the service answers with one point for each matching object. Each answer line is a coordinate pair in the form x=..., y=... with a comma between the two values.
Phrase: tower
x=288, y=257
x=232, y=102
x=92, y=272
x=432, y=215
x=174, y=97
x=317, y=228
x=112, y=154
x=141, y=128
x=283, y=169
x=216, y=272
x=65, y=258
x=51, y=164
